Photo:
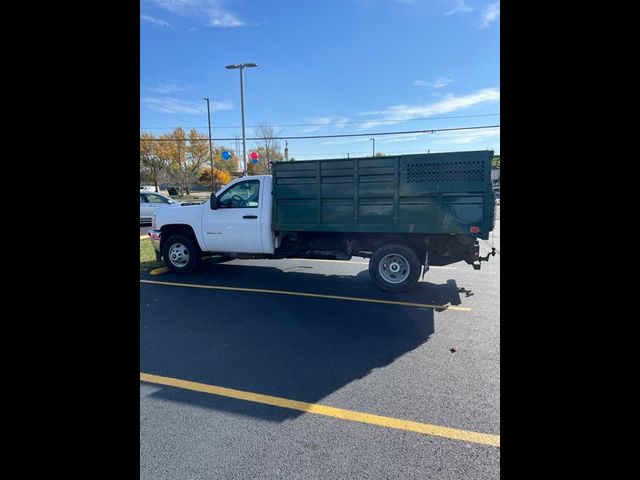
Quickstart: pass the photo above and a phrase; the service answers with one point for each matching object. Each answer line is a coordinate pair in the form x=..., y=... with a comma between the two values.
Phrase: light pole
x=210, y=145
x=242, y=66
x=374, y=147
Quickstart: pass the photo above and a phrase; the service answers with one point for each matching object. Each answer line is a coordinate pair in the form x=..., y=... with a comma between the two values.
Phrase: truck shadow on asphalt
x=293, y=347
x=319, y=279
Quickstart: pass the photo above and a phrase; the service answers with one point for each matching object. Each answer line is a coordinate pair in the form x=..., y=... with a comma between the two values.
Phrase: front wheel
x=394, y=268
x=180, y=254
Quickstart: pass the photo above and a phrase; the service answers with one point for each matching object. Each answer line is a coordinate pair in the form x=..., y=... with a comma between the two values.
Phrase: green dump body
x=436, y=193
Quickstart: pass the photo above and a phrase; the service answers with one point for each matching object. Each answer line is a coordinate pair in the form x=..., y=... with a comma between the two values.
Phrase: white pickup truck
x=405, y=213
x=236, y=221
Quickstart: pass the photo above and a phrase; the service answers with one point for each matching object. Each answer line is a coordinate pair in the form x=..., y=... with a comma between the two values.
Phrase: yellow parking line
x=314, y=295
x=388, y=422
x=158, y=271
x=161, y=270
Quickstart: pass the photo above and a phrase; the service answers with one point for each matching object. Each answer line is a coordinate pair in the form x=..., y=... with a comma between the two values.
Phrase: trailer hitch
x=492, y=253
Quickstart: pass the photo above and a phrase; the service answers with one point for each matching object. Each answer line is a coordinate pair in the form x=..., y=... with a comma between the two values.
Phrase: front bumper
x=155, y=241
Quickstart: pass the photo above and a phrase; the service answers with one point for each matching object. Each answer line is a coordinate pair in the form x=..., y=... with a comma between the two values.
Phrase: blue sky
x=325, y=67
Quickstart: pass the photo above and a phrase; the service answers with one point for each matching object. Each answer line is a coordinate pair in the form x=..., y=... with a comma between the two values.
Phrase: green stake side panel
x=422, y=193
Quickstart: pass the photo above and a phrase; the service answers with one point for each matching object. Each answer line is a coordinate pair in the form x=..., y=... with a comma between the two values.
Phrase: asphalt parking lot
x=218, y=346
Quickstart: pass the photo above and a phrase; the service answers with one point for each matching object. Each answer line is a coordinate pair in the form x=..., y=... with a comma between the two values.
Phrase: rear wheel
x=180, y=254
x=395, y=268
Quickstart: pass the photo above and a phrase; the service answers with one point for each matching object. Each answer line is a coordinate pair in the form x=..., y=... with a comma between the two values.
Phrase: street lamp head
x=230, y=67
x=249, y=65
x=205, y=98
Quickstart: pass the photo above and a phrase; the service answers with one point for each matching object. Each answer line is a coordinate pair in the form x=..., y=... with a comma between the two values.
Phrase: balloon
x=254, y=155
x=226, y=155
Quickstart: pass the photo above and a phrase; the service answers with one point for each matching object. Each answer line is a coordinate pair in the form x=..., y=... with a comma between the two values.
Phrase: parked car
x=150, y=202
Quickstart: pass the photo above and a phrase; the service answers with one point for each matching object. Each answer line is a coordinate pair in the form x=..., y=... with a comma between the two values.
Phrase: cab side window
x=242, y=195
x=151, y=198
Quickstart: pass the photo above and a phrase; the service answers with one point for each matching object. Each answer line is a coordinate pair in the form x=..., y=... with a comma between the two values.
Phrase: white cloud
x=212, y=11
x=458, y=137
x=490, y=14
x=149, y=18
x=450, y=103
x=454, y=140
x=442, y=82
x=220, y=106
x=401, y=138
x=329, y=121
x=459, y=7
x=174, y=105
x=164, y=88
x=439, y=83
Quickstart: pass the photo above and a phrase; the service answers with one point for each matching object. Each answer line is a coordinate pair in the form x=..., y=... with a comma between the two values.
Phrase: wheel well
x=169, y=230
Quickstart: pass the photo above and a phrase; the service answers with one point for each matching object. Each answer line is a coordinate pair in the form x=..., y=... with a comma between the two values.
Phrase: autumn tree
x=230, y=165
x=223, y=169
x=197, y=156
x=152, y=165
x=220, y=177
x=187, y=154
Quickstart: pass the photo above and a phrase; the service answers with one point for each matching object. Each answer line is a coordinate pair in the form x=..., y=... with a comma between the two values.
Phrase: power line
x=332, y=136
x=332, y=124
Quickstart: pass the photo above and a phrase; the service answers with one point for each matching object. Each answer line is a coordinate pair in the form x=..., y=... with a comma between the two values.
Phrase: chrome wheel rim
x=178, y=255
x=394, y=268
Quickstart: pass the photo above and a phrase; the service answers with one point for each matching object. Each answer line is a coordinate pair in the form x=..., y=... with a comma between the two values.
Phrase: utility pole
x=210, y=145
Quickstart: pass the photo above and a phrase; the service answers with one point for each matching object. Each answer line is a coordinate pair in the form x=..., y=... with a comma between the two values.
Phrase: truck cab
x=237, y=220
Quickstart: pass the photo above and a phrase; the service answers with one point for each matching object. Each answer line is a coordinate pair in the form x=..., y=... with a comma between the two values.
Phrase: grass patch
x=148, y=256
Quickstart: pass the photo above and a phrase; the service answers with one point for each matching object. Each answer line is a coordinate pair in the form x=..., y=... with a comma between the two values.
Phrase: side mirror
x=214, y=202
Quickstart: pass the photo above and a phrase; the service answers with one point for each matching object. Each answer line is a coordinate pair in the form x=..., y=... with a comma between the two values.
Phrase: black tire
x=395, y=256
x=181, y=254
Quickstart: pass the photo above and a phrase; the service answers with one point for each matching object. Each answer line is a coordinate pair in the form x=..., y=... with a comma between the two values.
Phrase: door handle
x=250, y=216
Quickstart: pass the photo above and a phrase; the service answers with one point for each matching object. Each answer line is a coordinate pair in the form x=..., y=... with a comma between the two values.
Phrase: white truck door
x=235, y=225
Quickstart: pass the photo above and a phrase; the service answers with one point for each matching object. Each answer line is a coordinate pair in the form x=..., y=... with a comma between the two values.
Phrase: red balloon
x=254, y=155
